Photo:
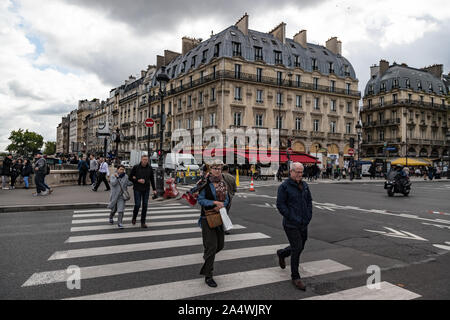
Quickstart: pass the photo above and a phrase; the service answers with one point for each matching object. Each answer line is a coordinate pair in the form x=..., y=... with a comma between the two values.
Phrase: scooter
x=394, y=185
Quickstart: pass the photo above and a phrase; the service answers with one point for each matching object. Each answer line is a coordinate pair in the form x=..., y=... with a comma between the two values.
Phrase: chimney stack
x=159, y=61
x=188, y=44
x=436, y=70
x=279, y=32
x=242, y=24
x=301, y=39
x=334, y=45
x=374, y=70
x=169, y=56
x=384, y=65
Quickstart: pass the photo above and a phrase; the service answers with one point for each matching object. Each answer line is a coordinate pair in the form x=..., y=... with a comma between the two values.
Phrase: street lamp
x=162, y=78
x=358, y=131
x=447, y=136
x=279, y=122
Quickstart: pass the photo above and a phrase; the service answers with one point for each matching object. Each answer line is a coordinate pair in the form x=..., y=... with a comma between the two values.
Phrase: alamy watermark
x=73, y=278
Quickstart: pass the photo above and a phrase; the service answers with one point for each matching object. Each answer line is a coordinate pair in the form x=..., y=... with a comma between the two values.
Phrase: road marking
x=106, y=213
x=153, y=224
x=439, y=212
x=441, y=246
x=150, y=208
x=172, y=216
x=197, y=287
x=114, y=269
x=108, y=250
x=138, y=234
x=436, y=225
x=398, y=234
x=266, y=205
x=387, y=291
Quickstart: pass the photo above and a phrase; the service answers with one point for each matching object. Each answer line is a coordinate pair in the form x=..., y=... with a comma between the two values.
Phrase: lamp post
x=280, y=83
x=358, y=131
x=447, y=136
x=162, y=78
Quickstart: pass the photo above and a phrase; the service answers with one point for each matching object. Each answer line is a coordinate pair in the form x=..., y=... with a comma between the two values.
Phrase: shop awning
x=411, y=162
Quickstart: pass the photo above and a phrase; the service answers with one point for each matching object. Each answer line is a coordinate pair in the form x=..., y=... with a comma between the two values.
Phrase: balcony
x=300, y=133
x=334, y=136
x=318, y=134
x=128, y=138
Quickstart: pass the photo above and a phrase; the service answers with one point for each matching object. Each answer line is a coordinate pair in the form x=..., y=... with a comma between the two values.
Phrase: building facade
x=405, y=110
x=62, y=136
x=241, y=78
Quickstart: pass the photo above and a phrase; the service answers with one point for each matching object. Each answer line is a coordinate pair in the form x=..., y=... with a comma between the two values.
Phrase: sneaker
x=45, y=193
x=120, y=226
x=111, y=221
x=143, y=225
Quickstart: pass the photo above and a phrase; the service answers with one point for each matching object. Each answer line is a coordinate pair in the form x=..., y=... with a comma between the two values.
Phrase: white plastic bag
x=227, y=225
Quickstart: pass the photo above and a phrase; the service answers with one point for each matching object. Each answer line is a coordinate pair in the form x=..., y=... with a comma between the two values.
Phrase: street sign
x=351, y=151
x=149, y=122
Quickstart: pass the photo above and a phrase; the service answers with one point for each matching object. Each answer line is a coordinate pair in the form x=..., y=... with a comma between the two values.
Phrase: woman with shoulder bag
x=212, y=198
x=119, y=195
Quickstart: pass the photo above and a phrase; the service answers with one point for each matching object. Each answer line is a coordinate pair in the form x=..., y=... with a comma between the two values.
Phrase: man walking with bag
x=40, y=169
x=142, y=176
x=294, y=202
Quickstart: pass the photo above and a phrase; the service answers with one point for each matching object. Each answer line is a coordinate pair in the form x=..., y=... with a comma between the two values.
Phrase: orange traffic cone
x=251, y=186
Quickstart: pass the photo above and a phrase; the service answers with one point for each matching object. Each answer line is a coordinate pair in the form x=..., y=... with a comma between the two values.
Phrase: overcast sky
x=56, y=52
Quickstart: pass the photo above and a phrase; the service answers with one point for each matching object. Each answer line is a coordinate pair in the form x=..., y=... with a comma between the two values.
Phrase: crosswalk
x=172, y=242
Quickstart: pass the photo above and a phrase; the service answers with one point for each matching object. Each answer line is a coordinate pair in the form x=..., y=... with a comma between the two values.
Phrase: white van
x=180, y=162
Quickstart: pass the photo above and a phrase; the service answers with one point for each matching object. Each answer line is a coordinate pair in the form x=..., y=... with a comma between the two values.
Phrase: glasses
x=219, y=169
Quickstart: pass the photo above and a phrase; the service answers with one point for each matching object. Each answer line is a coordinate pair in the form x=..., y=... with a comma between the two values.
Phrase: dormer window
x=441, y=90
x=383, y=86
x=258, y=53
x=183, y=67
x=395, y=84
x=236, y=48
x=314, y=64
x=204, y=55
x=331, y=67
x=419, y=85
x=217, y=50
x=408, y=84
x=194, y=58
x=430, y=87
x=278, y=57
x=296, y=61
x=346, y=70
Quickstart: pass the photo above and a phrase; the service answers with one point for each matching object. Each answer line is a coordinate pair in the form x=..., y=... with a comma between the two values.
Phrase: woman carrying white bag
x=213, y=199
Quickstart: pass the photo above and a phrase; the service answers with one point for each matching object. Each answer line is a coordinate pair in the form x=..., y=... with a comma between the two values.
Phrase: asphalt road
x=354, y=226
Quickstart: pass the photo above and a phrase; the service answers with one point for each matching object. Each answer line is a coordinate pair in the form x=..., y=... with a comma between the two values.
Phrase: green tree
x=25, y=144
x=50, y=148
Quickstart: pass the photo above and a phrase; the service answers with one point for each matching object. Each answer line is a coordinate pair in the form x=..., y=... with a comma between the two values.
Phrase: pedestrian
x=83, y=169
x=93, y=168
x=142, y=176
x=6, y=171
x=372, y=171
x=294, y=202
x=119, y=195
x=40, y=168
x=103, y=173
x=231, y=187
x=16, y=171
x=212, y=198
x=27, y=170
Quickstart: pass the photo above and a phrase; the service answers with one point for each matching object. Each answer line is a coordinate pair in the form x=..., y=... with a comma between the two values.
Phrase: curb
x=47, y=207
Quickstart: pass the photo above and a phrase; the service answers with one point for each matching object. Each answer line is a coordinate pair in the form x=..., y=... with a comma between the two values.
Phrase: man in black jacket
x=6, y=171
x=142, y=176
x=294, y=202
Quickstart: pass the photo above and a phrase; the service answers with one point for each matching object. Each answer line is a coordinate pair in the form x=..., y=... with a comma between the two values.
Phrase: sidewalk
x=62, y=198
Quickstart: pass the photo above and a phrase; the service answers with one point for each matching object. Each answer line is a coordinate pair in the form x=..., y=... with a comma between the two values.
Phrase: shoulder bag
x=213, y=217
x=125, y=195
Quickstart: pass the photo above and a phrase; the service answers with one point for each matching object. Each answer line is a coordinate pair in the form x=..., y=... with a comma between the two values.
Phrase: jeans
x=141, y=197
x=39, y=181
x=82, y=176
x=27, y=184
x=297, y=238
x=93, y=176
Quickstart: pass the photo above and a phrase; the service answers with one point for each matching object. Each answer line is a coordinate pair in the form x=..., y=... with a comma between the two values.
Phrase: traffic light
x=159, y=153
x=352, y=142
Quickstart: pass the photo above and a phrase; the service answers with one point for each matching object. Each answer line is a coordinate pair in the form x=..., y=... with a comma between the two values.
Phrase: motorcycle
x=395, y=184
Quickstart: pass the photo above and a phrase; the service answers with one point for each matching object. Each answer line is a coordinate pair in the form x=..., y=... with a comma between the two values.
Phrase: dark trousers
x=297, y=238
x=92, y=176
x=101, y=177
x=82, y=176
x=39, y=182
x=13, y=179
x=141, y=197
x=213, y=242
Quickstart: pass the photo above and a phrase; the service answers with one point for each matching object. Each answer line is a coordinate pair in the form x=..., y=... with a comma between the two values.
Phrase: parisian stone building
x=242, y=78
x=405, y=109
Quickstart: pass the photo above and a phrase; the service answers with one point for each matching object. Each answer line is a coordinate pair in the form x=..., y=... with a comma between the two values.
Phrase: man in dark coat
x=142, y=176
x=83, y=168
x=294, y=202
x=6, y=171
